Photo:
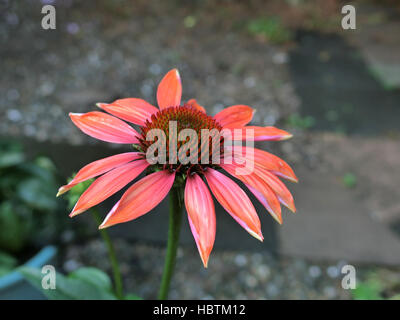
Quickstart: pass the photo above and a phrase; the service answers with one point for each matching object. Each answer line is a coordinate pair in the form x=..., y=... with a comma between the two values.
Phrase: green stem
x=175, y=221
x=112, y=256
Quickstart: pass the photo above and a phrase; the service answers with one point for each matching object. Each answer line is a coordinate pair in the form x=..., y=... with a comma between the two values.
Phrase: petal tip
x=75, y=212
x=286, y=137
x=61, y=191
x=100, y=104
x=256, y=235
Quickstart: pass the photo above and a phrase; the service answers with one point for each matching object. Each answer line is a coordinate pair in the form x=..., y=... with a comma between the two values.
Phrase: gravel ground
x=104, y=51
x=230, y=275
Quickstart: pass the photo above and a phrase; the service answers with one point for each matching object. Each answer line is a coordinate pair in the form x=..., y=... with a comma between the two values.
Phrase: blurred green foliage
x=73, y=194
x=377, y=285
x=86, y=283
x=299, y=122
x=349, y=180
x=27, y=197
x=271, y=28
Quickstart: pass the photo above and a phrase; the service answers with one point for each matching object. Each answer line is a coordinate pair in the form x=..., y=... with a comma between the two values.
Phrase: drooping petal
x=263, y=191
x=271, y=203
x=194, y=104
x=133, y=110
x=99, y=167
x=235, y=201
x=283, y=194
x=259, y=134
x=104, y=127
x=201, y=214
x=169, y=90
x=108, y=184
x=262, y=159
x=140, y=198
x=235, y=116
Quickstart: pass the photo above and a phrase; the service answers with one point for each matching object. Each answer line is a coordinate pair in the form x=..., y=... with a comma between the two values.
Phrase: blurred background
x=336, y=90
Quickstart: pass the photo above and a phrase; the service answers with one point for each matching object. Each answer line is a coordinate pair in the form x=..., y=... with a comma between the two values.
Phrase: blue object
x=14, y=286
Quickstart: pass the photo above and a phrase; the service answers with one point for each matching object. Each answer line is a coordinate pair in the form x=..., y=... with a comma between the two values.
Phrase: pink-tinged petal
x=271, y=202
x=193, y=103
x=259, y=134
x=140, y=198
x=262, y=159
x=108, y=184
x=104, y=127
x=283, y=194
x=259, y=188
x=133, y=110
x=235, y=201
x=201, y=214
x=99, y=167
x=235, y=116
x=169, y=90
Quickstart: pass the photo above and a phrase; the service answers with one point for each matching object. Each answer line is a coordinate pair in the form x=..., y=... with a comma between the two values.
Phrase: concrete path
x=333, y=224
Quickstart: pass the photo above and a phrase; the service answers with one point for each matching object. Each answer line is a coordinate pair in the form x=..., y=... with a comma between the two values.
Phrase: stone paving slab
x=332, y=223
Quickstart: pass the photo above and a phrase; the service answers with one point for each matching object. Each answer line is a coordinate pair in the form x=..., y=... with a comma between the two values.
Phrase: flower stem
x=175, y=221
x=112, y=256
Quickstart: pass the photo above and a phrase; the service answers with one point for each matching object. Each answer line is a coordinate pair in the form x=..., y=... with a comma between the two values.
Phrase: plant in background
x=26, y=203
x=87, y=283
x=184, y=181
x=271, y=29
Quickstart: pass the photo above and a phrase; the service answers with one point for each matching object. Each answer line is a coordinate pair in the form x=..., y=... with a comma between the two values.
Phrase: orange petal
x=201, y=214
x=169, y=90
x=283, y=194
x=235, y=201
x=235, y=116
x=259, y=134
x=140, y=198
x=259, y=188
x=264, y=160
x=99, y=167
x=104, y=127
x=133, y=110
x=108, y=184
x=195, y=105
x=271, y=202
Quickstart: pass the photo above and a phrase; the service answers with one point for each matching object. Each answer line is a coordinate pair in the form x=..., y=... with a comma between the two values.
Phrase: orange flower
x=118, y=171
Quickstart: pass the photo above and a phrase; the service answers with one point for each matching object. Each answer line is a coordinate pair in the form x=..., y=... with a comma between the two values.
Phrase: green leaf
x=7, y=260
x=15, y=225
x=369, y=290
x=37, y=194
x=68, y=288
x=10, y=158
x=132, y=296
x=93, y=276
x=7, y=263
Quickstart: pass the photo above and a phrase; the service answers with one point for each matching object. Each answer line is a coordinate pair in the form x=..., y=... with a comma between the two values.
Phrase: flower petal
x=195, y=105
x=104, y=127
x=169, y=90
x=259, y=188
x=99, y=167
x=260, y=134
x=262, y=159
x=201, y=214
x=271, y=203
x=108, y=184
x=140, y=198
x=235, y=116
x=235, y=201
x=283, y=194
x=133, y=110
